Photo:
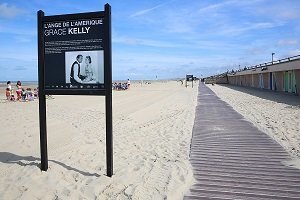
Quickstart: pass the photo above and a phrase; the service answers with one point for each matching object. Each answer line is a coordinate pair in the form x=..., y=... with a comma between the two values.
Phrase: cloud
x=278, y=10
x=287, y=10
x=237, y=30
x=295, y=52
x=22, y=39
x=144, y=42
x=145, y=11
x=212, y=19
x=9, y=11
x=3, y=68
x=216, y=6
x=18, y=56
x=176, y=24
x=13, y=29
x=231, y=3
x=20, y=68
x=138, y=60
x=256, y=50
x=290, y=14
x=287, y=42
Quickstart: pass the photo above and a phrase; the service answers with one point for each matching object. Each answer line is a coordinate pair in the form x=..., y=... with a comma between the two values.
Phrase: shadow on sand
x=10, y=158
x=279, y=97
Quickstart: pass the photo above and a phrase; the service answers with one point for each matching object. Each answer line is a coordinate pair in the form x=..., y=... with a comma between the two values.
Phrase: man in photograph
x=75, y=76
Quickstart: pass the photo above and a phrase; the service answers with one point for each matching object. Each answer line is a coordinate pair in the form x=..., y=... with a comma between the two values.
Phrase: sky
x=162, y=38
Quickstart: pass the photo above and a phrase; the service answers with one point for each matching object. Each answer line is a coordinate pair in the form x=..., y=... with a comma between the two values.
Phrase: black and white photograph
x=84, y=67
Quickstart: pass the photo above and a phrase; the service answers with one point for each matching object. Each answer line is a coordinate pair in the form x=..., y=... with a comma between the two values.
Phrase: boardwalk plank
x=232, y=159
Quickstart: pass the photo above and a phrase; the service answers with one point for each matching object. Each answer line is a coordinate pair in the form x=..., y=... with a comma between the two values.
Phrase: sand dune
x=152, y=131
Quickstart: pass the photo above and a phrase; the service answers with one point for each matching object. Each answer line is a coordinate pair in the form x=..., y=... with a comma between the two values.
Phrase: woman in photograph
x=89, y=72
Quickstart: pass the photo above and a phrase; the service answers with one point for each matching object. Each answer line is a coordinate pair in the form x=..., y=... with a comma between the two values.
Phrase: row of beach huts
x=281, y=75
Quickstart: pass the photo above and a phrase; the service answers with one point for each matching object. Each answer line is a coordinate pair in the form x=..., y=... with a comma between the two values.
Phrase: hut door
x=294, y=85
x=260, y=81
x=271, y=81
x=290, y=81
x=274, y=86
x=286, y=81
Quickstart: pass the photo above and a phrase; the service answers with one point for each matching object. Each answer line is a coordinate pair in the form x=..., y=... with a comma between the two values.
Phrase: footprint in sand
x=136, y=169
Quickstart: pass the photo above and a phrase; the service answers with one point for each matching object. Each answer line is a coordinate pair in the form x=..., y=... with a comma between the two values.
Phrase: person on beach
x=8, y=91
x=9, y=95
x=76, y=77
x=128, y=83
x=89, y=72
x=36, y=93
x=125, y=86
x=9, y=85
x=114, y=86
x=119, y=87
x=29, y=94
x=23, y=94
x=19, y=90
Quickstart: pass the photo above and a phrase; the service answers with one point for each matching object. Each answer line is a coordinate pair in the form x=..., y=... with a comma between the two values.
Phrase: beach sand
x=276, y=114
x=152, y=127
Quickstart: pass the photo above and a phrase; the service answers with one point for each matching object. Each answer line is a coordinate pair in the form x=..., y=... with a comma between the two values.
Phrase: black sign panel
x=74, y=52
x=189, y=77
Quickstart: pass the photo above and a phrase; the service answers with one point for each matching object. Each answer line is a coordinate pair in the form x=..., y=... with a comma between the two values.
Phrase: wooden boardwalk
x=232, y=159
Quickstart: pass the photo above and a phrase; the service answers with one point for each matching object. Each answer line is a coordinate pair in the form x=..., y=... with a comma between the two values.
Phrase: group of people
x=22, y=94
x=121, y=86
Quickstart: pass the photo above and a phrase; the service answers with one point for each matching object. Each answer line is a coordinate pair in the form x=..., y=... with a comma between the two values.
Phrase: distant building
x=282, y=75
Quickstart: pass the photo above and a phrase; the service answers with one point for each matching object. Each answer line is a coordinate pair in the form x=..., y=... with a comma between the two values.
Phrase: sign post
x=42, y=98
x=74, y=58
x=108, y=95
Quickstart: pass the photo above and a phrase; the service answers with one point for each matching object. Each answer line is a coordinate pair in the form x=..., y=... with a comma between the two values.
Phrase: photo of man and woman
x=84, y=67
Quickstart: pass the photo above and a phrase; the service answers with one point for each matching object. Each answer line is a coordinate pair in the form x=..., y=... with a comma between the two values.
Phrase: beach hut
x=282, y=75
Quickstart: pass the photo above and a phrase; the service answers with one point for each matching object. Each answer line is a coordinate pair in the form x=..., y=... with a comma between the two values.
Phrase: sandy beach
x=152, y=132
x=276, y=114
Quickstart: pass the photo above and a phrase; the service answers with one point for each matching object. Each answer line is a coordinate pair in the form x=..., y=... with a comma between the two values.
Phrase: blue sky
x=164, y=38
